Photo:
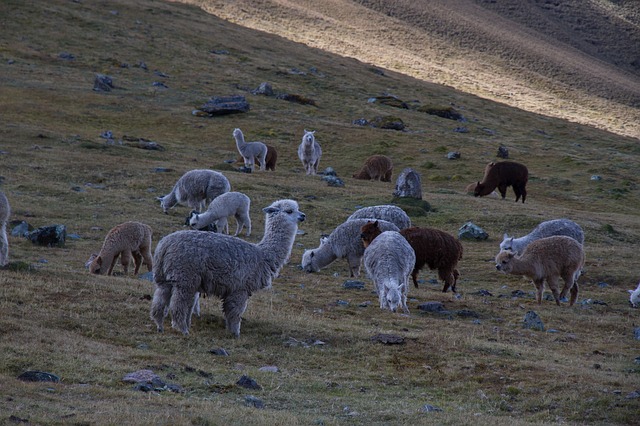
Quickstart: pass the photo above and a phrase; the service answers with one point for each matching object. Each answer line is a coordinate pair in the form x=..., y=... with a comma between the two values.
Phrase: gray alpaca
x=190, y=262
x=251, y=151
x=309, y=152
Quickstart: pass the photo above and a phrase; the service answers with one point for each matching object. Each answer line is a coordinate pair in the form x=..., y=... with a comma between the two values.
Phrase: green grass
x=92, y=330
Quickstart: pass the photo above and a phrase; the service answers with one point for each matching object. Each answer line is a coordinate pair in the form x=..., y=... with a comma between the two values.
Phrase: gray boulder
x=408, y=184
x=472, y=232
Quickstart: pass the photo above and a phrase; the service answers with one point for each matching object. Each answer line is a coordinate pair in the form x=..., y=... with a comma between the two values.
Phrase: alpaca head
x=634, y=297
x=507, y=242
x=393, y=297
x=478, y=189
x=287, y=209
x=193, y=219
x=369, y=231
x=95, y=267
x=308, y=265
x=237, y=133
x=504, y=261
x=308, y=136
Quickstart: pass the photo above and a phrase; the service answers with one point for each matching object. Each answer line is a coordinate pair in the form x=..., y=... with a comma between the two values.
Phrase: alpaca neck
x=277, y=242
x=240, y=143
x=323, y=255
x=519, y=267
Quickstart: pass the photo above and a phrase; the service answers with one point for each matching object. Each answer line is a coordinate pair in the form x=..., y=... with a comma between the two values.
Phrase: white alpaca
x=309, y=152
x=5, y=213
x=634, y=297
x=388, y=212
x=545, y=229
x=196, y=188
x=251, y=151
x=234, y=204
x=190, y=262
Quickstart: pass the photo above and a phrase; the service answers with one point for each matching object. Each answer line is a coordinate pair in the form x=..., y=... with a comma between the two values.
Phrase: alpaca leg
x=539, y=284
x=523, y=191
x=195, y=310
x=181, y=306
x=239, y=224
x=161, y=298
x=448, y=279
x=568, y=284
x=552, y=282
x=246, y=220
x=111, y=261
x=414, y=277
x=574, y=293
x=354, y=265
x=147, y=258
x=456, y=275
x=516, y=190
x=137, y=261
x=4, y=246
x=263, y=161
x=233, y=307
x=125, y=260
x=222, y=225
x=503, y=190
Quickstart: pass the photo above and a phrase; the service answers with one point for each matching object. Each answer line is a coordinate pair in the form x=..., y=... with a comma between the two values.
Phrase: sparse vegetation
x=92, y=330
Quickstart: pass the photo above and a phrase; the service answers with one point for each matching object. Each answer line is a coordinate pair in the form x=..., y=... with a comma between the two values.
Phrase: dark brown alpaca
x=377, y=167
x=270, y=159
x=501, y=175
x=434, y=248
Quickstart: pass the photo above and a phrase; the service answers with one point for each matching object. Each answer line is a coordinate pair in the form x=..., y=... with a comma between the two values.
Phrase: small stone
x=461, y=129
x=253, y=401
x=353, y=284
x=483, y=292
x=264, y=89
x=503, y=152
x=427, y=408
x=431, y=307
x=342, y=303
x=636, y=333
x=633, y=395
x=102, y=83
x=388, y=339
x=596, y=177
x=269, y=369
x=248, y=383
x=473, y=232
x=38, y=376
x=140, y=376
x=532, y=321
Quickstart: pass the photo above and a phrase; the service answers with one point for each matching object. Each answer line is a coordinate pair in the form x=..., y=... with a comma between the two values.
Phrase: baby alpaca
x=634, y=297
x=309, y=152
x=389, y=260
x=191, y=262
x=376, y=167
x=234, y=204
x=251, y=151
x=547, y=259
x=5, y=213
x=125, y=240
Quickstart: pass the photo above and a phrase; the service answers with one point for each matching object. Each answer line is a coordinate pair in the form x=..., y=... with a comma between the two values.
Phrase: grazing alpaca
x=388, y=260
x=251, y=151
x=191, y=262
x=234, y=204
x=432, y=247
x=545, y=229
x=502, y=175
x=128, y=239
x=5, y=213
x=634, y=296
x=388, y=212
x=271, y=158
x=196, y=188
x=309, y=152
x=376, y=167
x=547, y=259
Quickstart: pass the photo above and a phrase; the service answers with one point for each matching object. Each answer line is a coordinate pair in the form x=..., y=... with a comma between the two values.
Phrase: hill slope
x=572, y=59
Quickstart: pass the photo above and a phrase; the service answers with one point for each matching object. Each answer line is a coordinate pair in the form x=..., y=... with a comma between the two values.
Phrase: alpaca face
x=503, y=261
x=393, y=298
x=507, y=243
x=308, y=265
x=478, y=189
x=369, y=232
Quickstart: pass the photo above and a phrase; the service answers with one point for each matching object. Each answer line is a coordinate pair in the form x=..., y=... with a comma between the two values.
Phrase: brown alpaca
x=502, y=175
x=271, y=158
x=377, y=167
x=433, y=248
x=125, y=240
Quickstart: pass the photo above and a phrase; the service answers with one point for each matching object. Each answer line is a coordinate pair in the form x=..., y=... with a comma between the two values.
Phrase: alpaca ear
x=505, y=236
x=270, y=210
x=630, y=291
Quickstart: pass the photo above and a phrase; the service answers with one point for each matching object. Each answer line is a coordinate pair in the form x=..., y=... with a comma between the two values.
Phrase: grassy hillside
x=93, y=330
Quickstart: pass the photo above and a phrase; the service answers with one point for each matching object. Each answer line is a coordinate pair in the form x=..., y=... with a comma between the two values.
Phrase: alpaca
x=388, y=261
x=190, y=262
x=251, y=151
x=376, y=167
x=388, y=212
x=196, y=188
x=501, y=175
x=545, y=229
x=343, y=242
x=408, y=185
x=434, y=248
x=234, y=204
x=309, y=152
x=271, y=158
x=547, y=259
x=5, y=213
x=634, y=296
x=125, y=240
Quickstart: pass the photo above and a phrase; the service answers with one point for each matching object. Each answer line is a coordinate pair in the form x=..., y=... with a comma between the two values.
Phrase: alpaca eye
x=289, y=211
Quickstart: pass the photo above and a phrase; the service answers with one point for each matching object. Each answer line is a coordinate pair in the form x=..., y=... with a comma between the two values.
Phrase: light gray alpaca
x=251, y=151
x=389, y=260
x=309, y=152
x=343, y=242
x=5, y=213
x=545, y=229
x=126, y=240
x=196, y=188
x=388, y=212
x=190, y=262
x=234, y=204
x=547, y=259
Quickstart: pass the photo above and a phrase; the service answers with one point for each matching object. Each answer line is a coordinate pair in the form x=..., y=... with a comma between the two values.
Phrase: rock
x=333, y=181
x=388, y=339
x=224, y=105
x=408, y=184
x=159, y=84
x=466, y=313
x=461, y=129
x=633, y=395
x=454, y=155
x=147, y=276
x=596, y=177
x=248, y=383
x=361, y=122
x=53, y=235
x=483, y=292
x=388, y=122
x=269, y=369
x=264, y=89
x=353, y=284
x=448, y=112
x=107, y=134
x=141, y=376
x=532, y=321
x=431, y=307
x=427, y=408
x=503, y=152
x=102, y=83
x=219, y=352
x=38, y=376
x=253, y=401
x=328, y=172
x=389, y=101
x=298, y=99
x=472, y=232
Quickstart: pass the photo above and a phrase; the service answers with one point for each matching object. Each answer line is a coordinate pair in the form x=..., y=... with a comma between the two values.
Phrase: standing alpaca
x=196, y=189
x=234, y=204
x=125, y=240
x=547, y=259
x=502, y=175
x=376, y=167
x=388, y=260
x=634, y=296
x=190, y=262
x=251, y=151
x=309, y=152
x=5, y=213
x=271, y=158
